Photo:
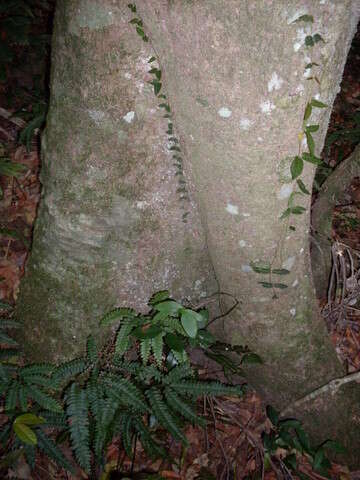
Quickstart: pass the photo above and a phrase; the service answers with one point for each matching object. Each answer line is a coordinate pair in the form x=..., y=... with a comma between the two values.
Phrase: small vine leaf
x=292, y=228
x=310, y=142
x=29, y=419
x=169, y=307
x=286, y=213
x=282, y=286
x=312, y=128
x=260, y=267
x=302, y=186
x=308, y=157
x=298, y=210
x=25, y=434
x=132, y=7
x=305, y=18
x=136, y=21
x=308, y=110
x=162, y=96
x=151, y=59
x=317, y=104
x=159, y=297
x=157, y=87
x=309, y=41
x=280, y=271
x=140, y=32
x=296, y=167
x=266, y=284
x=251, y=358
x=272, y=415
x=318, y=38
x=174, y=148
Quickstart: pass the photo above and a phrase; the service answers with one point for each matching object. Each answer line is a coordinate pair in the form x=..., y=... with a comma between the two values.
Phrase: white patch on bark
x=275, y=82
x=285, y=191
x=289, y=263
x=242, y=243
x=232, y=209
x=128, y=75
x=129, y=117
x=225, y=112
x=245, y=123
x=246, y=268
x=293, y=311
x=96, y=115
x=245, y=214
x=267, y=107
x=295, y=283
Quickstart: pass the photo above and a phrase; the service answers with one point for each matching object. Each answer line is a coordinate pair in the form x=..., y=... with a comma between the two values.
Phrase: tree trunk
x=110, y=227
x=235, y=76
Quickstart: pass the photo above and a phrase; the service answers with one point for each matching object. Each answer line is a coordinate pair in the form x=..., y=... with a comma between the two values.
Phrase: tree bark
x=109, y=230
x=235, y=76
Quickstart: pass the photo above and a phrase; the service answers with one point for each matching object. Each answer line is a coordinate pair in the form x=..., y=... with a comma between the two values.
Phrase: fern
x=157, y=348
x=122, y=338
x=126, y=432
x=52, y=450
x=77, y=413
x=91, y=350
x=117, y=315
x=54, y=419
x=164, y=416
x=43, y=399
x=30, y=455
x=152, y=448
x=127, y=394
x=103, y=421
x=196, y=389
x=5, y=339
x=36, y=369
x=145, y=348
x=68, y=370
x=178, y=373
x=11, y=397
x=182, y=407
x=22, y=398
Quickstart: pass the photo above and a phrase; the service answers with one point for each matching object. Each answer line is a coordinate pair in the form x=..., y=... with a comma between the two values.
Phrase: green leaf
x=182, y=408
x=159, y=297
x=260, y=267
x=266, y=284
x=312, y=128
x=157, y=87
x=310, y=143
x=317, y=104
x=296, y=167
x=43, y=399
x=77, y=413
x=302, y=186
x=298, y=210
x=132, y=7
x=309, y=42
x=150, y=332
x=140, y=31
x=53, y=451
x=145, y=348
x=308, y=110
x=136, y=21
x=304, y=18
x=157, y=345
x=91, y=349
x=273, y=415
x=280, y=271
x=29, y=419
x=189, y=321
x=289, y=423
x=151, y=59
x=318, y=38
x=286, y=213
x=335, y=446
x=308, y=157
x=122, y=338
x=25, y=434
x=169, y=307
x=174, y=342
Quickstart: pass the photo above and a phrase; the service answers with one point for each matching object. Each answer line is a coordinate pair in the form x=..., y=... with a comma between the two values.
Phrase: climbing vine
x=305, y=139
x=174, y=144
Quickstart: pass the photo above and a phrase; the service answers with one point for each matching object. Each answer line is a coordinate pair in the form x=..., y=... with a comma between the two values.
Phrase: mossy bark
x=109, y=230
x=235, y=73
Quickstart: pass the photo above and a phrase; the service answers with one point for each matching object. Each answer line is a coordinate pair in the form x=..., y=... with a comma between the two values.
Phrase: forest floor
x=237, y=424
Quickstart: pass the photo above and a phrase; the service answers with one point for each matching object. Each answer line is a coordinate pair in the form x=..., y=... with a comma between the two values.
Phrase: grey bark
x=109, y=230
x=234, y=74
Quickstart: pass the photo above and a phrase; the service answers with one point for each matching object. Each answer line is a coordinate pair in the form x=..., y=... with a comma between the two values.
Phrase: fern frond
x=30, y=454
x=43, y=399
x=177, y=404
x=5, y=339
x=213, y=389
x=117, y=314
x=5, y=324
x=39, y=380
x=152, y=448
x=91, y=350
x=5, y=433
x=52, y=419
x=95, y=396
x=157, y=345
x=178, y=373
x=145, y=347
x=36, y=369
x=164, y=416
x=126, y=432
x=123, y=338
x=77, y=413
x=6, y=353
x=148, y=373
x=173, y=325
x=12, y=396
x=181, y=357
x=127, y=394
x=53, y=451
x=68, y=370
x=22, y=398
x=103, y=422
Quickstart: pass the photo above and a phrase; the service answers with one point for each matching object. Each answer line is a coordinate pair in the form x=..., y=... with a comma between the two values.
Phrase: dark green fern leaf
x=5, y=433
x=43, y=399
x=53, y=451
x=91, y=350
x=6, y=353
x=6, y=324
x=181, y=407
x=145, y=347
x=127, y=394
x=157, y=345
x=127, y=433
x=178, y=373
x=164, y=416
x=117, y=315
x=36, y=369
x=151, y=447
x=122, y=338
x=22, y=398
x=77, y=414
x=173, y=325
x=95, y=396
x=30, y=454
x=52, y=419
x=181, y=357
x=5, y=339
x=196, y=389
x=40, y=380
x=68, y=370
x=103, y=423
x=11, y=397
